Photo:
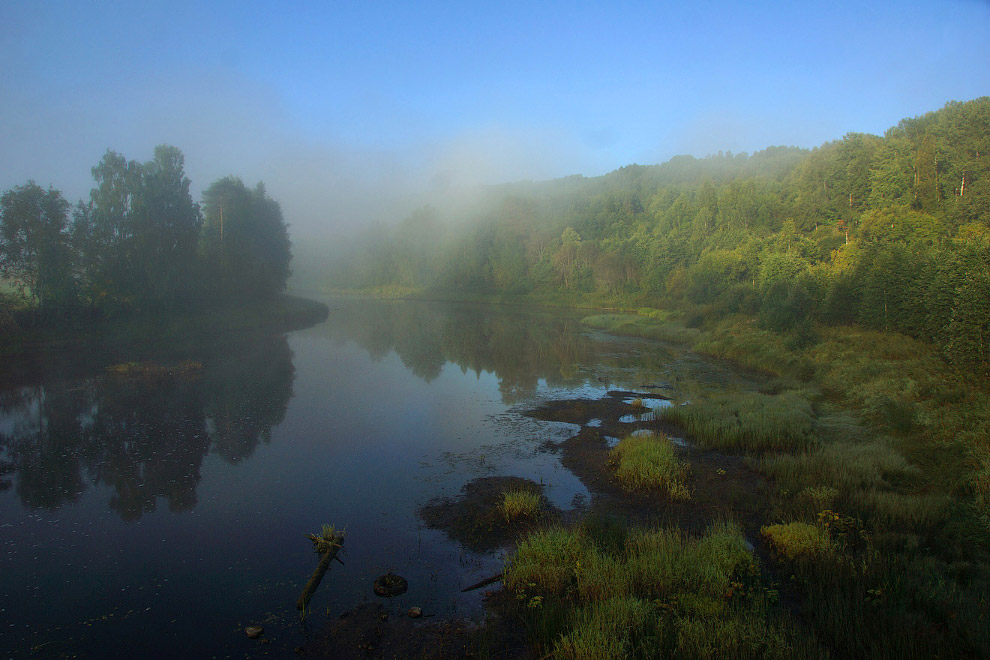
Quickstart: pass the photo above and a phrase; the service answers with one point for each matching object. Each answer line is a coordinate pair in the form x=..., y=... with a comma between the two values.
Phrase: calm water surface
x=155, y=517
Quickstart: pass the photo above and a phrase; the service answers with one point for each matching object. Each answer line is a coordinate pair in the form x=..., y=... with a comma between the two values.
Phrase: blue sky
x=348, y=110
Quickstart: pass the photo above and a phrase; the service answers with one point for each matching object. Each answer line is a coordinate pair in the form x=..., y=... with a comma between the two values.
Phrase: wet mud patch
x=368, y=631
x=721, y=485
x=476, y=519
x=597, y=412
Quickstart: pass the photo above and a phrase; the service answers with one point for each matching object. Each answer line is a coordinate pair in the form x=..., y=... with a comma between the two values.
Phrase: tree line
x=140, y=244
x=889, y=232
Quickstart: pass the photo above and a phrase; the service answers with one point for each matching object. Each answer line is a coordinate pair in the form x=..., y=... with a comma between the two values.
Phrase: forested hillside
x=890, y=232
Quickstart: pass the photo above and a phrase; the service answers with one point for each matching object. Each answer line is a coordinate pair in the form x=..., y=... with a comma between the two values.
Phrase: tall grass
x=655, y=326
x=519, y=504
x=798, y=539
x=747, y=421
x=873, y=604
x=898, y=454
x=647, y=462
x=615, y=628
x=741, y=340
x=663, y=594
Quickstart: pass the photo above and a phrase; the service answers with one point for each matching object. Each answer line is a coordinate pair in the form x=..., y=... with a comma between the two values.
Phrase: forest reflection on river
x=181, y=501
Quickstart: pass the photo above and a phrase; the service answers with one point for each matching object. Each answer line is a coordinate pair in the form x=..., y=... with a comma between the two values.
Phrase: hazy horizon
x=352, y=114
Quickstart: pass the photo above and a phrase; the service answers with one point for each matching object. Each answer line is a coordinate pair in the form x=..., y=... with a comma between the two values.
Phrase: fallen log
x=484, y=583
x=327, y=546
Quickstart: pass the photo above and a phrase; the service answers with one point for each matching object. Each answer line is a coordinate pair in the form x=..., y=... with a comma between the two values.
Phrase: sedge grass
x=747, y=421
x=652, y=327
x=795, y=540
x=519, y=504
x=664, y=594
x=645, y=462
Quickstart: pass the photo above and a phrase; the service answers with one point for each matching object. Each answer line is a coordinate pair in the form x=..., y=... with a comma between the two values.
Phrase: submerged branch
x=327, y=544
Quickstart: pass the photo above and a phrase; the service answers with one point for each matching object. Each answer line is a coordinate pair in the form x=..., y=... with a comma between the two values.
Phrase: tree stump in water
x=389, y=585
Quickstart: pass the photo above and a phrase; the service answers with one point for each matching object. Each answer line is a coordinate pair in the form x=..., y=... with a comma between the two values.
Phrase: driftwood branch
x=332, y=546
x=484, y=583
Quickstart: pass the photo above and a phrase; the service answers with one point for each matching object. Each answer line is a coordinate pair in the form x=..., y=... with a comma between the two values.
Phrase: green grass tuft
x=646, y=462
x=798, y=540
x=519, y=504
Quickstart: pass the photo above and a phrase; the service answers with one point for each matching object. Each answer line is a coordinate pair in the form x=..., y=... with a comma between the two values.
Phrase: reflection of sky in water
x=370, y=415
x=649, y=403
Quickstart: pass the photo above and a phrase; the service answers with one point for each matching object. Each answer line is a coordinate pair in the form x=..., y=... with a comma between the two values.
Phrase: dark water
x=155, y=517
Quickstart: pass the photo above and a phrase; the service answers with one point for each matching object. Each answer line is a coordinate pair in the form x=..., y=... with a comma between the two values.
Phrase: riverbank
x=282, y=313
x=865, y=463
x=878, y=465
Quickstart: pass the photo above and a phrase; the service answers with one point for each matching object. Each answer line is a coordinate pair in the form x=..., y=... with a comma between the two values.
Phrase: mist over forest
x=668, y=323
x=889, y=232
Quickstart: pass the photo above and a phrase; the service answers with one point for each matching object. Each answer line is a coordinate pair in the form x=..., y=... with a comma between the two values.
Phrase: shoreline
x=283, y=313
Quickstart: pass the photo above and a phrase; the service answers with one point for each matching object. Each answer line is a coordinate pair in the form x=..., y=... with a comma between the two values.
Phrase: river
x=155, y=515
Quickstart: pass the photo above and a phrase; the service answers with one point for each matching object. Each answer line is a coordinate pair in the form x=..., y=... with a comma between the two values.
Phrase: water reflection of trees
x=520, y=348
x=145, y=437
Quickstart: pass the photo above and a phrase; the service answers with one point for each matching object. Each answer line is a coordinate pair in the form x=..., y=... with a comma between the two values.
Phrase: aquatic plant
x=650, y=462
x=519, y=504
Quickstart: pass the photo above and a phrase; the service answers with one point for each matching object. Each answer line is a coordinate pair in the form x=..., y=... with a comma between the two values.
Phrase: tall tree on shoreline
x=34, y=245
x=245, y=240
x=166, y=229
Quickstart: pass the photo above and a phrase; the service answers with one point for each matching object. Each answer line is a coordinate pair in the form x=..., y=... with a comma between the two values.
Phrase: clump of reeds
x=650, y=462
x=659, y=594
x=519, y=504
x=747, y=421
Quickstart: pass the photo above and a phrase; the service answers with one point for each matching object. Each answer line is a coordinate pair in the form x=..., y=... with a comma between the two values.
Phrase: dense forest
x=140, y=245
x=892, y=233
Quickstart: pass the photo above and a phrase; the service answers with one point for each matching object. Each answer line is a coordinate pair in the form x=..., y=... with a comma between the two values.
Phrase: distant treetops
x=141, y=244
x=889, y=232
